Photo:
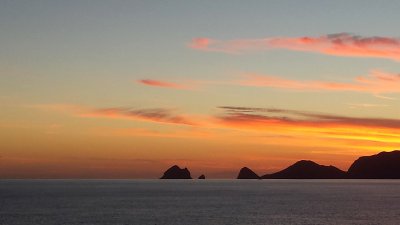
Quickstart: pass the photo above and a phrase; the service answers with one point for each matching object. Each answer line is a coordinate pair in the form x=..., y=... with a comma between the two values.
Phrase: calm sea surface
x=176, y=202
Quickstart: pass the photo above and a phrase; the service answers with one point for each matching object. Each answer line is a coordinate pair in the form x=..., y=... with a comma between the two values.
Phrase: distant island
x=385, y=165
x=306, y=169
x=176, y=173
x=246, y=173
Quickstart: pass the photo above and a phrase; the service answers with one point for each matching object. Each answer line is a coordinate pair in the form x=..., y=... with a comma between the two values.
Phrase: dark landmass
x=246, y=173
x=202, y=177
x=306, y=169
x=176, y=173
x=385, y=165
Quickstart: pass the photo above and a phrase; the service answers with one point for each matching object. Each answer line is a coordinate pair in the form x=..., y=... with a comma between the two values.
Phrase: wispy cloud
x=250, y=124
x=158, y=115
x=163, y=84
x=365, y=105
x=311, y=129
x=376, y=82
x=340, y=44
x=269, y=116
x=384, y=97
x=232, y=115
x=210, y=45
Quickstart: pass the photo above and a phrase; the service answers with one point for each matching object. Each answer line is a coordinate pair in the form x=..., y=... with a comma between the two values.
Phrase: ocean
x=195, y=202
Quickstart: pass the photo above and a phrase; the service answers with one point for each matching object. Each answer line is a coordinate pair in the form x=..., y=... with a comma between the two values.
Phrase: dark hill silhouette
x=306, y=169
x=202, y=177
x=176, y=173
x=246, y=173
x=385, y=165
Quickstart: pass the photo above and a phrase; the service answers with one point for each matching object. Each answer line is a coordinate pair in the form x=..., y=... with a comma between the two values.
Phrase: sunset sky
x=126, y=89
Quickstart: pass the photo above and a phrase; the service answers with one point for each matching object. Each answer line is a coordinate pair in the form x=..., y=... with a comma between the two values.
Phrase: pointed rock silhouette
x=246, y=173
x=202, y=177
x=306, y=169
x=385, y=165
x=176, y=173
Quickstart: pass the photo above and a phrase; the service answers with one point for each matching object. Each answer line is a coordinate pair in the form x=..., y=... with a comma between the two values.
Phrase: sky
x=126, y=89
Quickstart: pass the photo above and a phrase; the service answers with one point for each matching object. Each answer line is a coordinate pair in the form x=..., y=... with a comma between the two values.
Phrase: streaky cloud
x=247, y=124
x=268, y=116
x=159, y=115
x=376, y=82
x=365, y=105
x=339, y=44
x=384, y=97
x=162, y=84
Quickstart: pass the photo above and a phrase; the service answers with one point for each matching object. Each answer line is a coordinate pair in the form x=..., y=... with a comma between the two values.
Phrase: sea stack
x=306, y=169
x=202, y=177
x=385, y=165
x=246, y=173
x=176, y=173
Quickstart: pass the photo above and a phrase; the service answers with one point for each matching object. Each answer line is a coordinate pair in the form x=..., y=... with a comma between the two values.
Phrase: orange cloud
x=246, y=116
x=261, y=126
x=163, y=84
x=152, y=115
x=266, y=116
x=156, y=115
x=314, y=129
x=341, y=44
x=376, y=82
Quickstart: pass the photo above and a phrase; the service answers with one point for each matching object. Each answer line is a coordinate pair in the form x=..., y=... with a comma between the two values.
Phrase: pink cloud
x=376, y=82
x=163, y=84
x=341, y=44
x=200, y=43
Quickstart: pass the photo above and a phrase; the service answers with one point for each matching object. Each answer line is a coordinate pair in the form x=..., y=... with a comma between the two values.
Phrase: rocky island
x=306, y=169
x=385, y=165
x=246, y=173
x=175, y=172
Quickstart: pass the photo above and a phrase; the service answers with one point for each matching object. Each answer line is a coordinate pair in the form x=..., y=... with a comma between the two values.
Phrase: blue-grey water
x=192, y=202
